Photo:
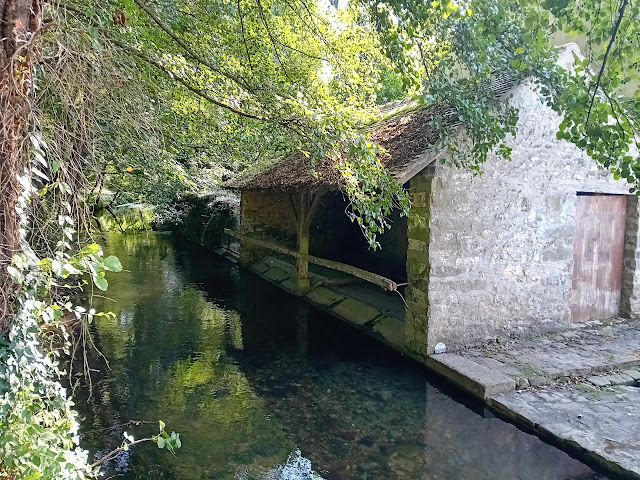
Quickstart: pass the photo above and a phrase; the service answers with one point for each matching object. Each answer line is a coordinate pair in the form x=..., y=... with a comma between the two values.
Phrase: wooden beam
x=370, y=277
x=293, y=208
x=315, y=203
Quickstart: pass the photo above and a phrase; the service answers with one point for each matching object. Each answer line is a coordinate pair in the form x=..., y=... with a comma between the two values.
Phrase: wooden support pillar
x=303, y=243
x=304, y=206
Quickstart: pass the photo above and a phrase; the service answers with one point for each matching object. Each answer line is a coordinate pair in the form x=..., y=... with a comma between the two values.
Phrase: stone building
x=531, y=245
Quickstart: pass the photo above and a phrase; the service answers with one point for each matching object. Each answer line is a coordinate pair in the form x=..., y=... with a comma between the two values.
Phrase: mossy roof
x=405, y=132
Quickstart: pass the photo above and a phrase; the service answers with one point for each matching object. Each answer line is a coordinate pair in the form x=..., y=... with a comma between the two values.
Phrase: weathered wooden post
x=303, y=243
x=304, y=207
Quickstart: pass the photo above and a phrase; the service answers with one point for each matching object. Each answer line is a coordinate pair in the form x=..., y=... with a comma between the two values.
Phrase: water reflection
x=247, y=374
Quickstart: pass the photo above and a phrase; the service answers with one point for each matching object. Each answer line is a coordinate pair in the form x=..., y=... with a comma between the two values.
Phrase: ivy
x=38, y=425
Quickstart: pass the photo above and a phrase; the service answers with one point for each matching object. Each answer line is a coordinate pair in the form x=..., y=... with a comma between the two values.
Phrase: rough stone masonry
x=492, y=255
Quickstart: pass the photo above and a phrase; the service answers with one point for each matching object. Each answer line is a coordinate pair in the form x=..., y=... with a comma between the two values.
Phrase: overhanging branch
x=158, y=65
x=614, y=33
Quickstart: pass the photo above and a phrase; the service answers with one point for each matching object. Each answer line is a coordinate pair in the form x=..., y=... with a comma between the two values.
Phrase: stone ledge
x=477, y=379
x=556, y=417
x=276, y=274
x=355, y=312
x=390, y=330
x=324, y=297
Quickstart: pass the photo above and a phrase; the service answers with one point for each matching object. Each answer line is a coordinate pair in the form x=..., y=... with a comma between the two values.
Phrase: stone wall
x=500, y=255
x=266, y=214
x=630, y=301
x=418, y=266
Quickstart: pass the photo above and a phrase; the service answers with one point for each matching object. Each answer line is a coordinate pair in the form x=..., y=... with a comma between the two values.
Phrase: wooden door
x=598, y=249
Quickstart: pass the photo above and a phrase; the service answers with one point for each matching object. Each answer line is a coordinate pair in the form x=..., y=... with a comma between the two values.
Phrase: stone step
x=476, y=379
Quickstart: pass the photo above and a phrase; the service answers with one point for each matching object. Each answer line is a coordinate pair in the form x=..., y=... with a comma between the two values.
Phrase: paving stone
x=272, y=261
x=601, y=429
x=599, y=381
x=290, y=285
x=260, y=267
x=552, y=372
x=537, y=380
x=579, y=371
x=598, y=424
x=500, y=366
x=276, y=274
x=619, y=379
x=635, y=374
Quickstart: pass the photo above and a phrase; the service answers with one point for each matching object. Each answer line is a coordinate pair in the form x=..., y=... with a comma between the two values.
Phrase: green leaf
x=161, y=442
x=100, y=281
x=94, y=32
x=112, y=263
x=89, y=249
x=520, y=50
x=69, y=269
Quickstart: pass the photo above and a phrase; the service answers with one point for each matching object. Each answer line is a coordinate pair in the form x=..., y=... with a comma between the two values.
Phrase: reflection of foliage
x=168, y=354
x=234, y=329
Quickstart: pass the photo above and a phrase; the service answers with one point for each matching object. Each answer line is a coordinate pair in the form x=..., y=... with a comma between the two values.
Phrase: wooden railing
x=370, y=277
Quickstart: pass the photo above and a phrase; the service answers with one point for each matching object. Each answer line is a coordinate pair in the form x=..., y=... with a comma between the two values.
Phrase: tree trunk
x=20, y=21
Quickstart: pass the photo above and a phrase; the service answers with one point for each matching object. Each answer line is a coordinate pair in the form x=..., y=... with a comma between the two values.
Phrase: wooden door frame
x=597, y=277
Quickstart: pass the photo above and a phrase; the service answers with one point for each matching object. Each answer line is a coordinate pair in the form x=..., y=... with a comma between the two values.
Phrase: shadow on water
x=247, y=374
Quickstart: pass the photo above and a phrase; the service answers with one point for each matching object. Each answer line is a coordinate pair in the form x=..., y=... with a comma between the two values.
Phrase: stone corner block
x=476, y=379
x=599, y=381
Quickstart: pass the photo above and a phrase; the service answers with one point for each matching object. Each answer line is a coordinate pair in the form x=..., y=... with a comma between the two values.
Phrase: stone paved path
x=579, y=389
x=600, y=424
x=584, y=350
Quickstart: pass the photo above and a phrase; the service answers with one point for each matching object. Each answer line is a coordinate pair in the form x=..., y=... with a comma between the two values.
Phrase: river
x=248, y=374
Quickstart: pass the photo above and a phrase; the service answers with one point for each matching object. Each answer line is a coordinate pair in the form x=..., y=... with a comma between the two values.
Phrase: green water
x=247, y=374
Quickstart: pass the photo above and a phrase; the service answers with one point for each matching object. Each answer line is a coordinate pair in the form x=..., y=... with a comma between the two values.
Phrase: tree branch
x=192, y=53
x=606, y=56
x=114, y=453
x=273, y=42
x=172, y=75
x=244, y=38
